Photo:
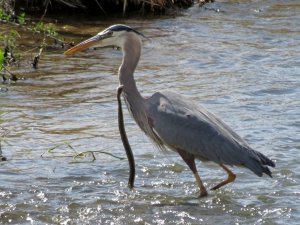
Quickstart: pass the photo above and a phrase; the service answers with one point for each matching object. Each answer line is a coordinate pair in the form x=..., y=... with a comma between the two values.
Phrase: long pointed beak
x=83, y=45
x=93, y=41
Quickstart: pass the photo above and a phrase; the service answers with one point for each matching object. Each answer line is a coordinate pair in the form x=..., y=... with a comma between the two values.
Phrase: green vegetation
x=10, y=55
x=7, y=56
x=1, y=60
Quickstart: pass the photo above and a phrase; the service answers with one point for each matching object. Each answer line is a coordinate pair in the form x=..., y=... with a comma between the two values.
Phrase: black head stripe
x=121, y=27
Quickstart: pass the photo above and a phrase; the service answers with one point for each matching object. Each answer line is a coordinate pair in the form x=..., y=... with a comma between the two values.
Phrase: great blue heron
x=174, y=122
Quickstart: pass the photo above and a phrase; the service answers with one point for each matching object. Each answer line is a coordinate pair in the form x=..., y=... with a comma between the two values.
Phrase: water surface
x=239, y=59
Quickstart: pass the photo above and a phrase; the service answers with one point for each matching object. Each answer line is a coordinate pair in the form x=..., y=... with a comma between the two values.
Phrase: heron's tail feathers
x=265, y=160
x=267, y=171
x=259, y=164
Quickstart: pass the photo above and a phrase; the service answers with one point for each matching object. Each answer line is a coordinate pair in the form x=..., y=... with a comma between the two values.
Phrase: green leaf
x=21, y=18
x=1, y=59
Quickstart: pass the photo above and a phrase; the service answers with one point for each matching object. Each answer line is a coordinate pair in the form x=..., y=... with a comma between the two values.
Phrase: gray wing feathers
x=183, y=125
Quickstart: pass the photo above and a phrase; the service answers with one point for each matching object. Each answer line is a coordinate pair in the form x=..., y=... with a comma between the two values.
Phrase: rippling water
x=240, y=59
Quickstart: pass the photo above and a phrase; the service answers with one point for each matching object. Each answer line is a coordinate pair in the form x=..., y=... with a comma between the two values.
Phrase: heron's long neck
x=131, y=56
x=135, y=102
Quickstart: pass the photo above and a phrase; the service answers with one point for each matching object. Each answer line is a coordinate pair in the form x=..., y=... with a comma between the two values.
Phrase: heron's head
x=115, y=35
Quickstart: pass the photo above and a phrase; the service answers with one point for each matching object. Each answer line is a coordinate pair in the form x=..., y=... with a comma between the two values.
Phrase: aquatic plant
x=10, y=54
x=7, y=56
x=65, y=149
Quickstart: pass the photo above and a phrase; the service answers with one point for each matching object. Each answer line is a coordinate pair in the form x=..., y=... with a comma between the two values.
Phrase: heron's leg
x=231, y=178
x=190, y=161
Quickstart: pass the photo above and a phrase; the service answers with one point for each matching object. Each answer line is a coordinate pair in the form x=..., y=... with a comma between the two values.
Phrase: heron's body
x=174, y=122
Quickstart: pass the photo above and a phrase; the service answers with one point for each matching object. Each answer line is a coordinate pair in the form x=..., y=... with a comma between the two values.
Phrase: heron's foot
x=131, y=187
x=203, y=194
